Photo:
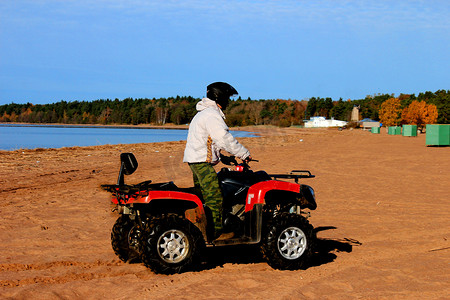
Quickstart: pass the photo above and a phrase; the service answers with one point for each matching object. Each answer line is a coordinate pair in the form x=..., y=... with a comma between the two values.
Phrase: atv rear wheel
x=125, y=239
x=171, y=244
x=288, y=242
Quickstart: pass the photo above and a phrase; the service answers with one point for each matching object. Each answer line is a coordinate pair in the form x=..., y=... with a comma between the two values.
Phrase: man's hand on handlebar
x=231, y=160
x=228, y=160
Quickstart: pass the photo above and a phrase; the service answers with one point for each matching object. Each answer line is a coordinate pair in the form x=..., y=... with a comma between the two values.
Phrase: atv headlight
x=308, y=197
x=312, y=192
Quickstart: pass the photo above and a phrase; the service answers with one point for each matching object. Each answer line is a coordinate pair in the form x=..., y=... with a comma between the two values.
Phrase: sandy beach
x=382, y=221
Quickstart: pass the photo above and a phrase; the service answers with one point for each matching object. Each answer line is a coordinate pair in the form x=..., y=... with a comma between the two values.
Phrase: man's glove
x=228, y=160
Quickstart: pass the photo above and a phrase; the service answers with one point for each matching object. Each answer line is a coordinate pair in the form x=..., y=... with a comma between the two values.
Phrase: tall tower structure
x=355, y=114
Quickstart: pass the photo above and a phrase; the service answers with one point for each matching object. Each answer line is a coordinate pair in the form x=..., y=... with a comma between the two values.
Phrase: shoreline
x=252, y=132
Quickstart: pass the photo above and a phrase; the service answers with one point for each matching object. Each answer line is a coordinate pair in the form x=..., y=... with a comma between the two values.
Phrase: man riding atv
x=169, y=227
x=208, y=134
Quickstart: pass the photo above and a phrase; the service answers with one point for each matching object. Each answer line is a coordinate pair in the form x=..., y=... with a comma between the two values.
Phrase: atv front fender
x=257, y=192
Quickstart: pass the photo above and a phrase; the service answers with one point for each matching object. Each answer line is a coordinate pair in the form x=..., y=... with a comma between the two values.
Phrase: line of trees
x=417, y=113
x=370, y=107
x=180, y=110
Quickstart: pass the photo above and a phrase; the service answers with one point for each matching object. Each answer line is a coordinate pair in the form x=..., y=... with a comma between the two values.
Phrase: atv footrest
x=233, y=241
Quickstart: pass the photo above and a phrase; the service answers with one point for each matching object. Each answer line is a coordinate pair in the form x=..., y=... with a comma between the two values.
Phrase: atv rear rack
x=126, y=188
x=122, y=189
x=295, y=174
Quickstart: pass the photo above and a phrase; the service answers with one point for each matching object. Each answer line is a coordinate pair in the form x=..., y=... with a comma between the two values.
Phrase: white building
x=322, y=122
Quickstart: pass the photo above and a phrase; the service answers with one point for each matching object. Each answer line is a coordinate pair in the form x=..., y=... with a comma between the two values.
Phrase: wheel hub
x=134, y=237
x=292, y=243
x=173, y=246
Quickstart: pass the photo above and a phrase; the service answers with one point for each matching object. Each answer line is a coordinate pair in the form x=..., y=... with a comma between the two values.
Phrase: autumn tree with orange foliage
x=390, y=112
x=420, y=113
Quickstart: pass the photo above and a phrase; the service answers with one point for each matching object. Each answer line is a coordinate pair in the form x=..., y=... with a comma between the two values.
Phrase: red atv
x=168, y=227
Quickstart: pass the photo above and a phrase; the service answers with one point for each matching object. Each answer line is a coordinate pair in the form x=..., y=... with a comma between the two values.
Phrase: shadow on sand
x=326, y=248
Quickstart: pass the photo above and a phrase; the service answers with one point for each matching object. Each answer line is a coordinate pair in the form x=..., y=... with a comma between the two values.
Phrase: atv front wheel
x=171, y=244
x=125, y=239
x=288, y=242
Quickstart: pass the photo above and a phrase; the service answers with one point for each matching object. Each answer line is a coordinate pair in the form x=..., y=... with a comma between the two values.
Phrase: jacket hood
x=208, y=103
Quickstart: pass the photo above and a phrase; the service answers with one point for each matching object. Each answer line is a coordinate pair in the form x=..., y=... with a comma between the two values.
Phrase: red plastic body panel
x=257, y=192
x=147, y=197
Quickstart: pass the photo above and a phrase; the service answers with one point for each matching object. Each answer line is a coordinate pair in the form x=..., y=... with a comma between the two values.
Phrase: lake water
x=14, y=137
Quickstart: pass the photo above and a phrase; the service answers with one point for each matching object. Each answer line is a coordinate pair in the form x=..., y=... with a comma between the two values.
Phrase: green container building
x=409, y=130
x=375, y=130
x=394, y=130
x=438, y=135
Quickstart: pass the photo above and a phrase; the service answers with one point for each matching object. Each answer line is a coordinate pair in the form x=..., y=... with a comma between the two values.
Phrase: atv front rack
x=295, y=174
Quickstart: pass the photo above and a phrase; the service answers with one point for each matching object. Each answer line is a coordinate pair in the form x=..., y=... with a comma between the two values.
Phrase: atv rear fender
x=164, y=202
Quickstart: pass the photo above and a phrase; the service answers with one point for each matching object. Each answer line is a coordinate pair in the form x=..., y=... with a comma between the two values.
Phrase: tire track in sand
x=76, y=271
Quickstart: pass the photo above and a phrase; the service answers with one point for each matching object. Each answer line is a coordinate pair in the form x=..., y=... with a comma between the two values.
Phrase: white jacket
x=208, y=134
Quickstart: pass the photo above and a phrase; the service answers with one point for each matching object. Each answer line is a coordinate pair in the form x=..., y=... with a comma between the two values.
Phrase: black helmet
x=220, y=92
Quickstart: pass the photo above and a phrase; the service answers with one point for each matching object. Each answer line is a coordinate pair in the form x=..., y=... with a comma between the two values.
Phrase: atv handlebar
x=231, y=161
x=244, y=166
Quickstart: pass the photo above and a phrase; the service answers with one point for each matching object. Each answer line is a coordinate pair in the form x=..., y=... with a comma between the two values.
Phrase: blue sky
x=86, y=50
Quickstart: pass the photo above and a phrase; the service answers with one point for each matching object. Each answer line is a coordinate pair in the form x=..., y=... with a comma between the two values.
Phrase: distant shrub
x=353, y=124
x=284, y=123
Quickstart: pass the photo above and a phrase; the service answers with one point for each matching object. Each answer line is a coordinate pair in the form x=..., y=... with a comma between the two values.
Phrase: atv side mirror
x=128, y=165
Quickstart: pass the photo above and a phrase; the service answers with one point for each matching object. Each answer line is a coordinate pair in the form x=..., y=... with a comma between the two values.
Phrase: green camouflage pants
x=205, y=177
